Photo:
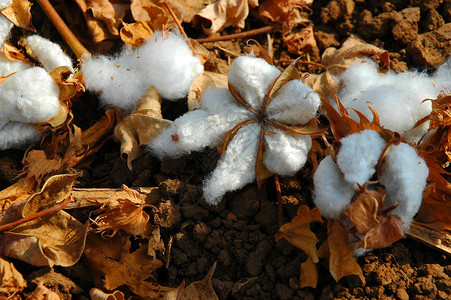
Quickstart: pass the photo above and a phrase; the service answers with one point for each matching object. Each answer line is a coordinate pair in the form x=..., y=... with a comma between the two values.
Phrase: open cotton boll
x=359, y=154
x=220, y=101
x=294, y=103
x=404, y=175
x=29, y=96
x=17, y=135
x=5, y=28
x=285, y=154
x=169, y=64
x=49, y=54
x=235, y=168
x=332, y=193
x=8, y=67
x=252, y=76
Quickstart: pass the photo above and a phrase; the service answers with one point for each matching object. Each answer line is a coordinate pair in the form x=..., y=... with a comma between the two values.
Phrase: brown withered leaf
x=135, y=34
x=14, y=54
x=435, y=210
x=43, y=293
x=56, y=239
x=299, y=234
x=300, y=41
x=222, y=14
x=200, y=290
x=186, y=9
x=152, y=233
x=19, y=14
x=379, y=229
x=153, y=13
x=38, y=165
x=112, y=265
x=341, y=259
x=143, y=125
x=98, y=294
x=207, y=80
x=336, y=61
x=125, y=215
x=284, y=12
x=11, y=281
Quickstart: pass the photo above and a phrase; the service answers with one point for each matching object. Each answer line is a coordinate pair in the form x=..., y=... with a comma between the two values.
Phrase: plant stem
x=43, y=213
x=179, y=25
x=62, y=28
x=237, y=35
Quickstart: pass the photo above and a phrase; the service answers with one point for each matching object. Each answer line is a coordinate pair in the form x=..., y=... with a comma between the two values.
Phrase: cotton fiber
x=165, y=62
x=49, y=54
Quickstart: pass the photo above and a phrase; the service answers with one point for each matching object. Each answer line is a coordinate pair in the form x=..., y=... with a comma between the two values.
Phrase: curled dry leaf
x=56, y=239
x=135, y=34
x=11, y=281
x=125, y=215
x=201, y=289
x=299, y=234
x=222, y=14
x=143, y=125
x=341, y=259
x=379, y=229
x=301, y=41
x=98, y=294
x=284, y=12
x=336, y=61
x=19, y=14
x=14, y=54
x=43, y=293
x=207, y=80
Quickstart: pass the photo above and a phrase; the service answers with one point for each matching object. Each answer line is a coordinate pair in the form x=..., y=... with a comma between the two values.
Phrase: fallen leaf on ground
x=222, y=14
x=56, y=239
x=153, y=13
x=200, y=290
x=309, y=274
x=379, y=229
x=98, y=294
x=19, y=14
x=186, y=9
x=284, y=12
x=43, y=293
x=11, y=281
x=341, y=259
x=135, y=34
x=300, y=41
x=143, y=125
x=336, y=61
x=299, y=234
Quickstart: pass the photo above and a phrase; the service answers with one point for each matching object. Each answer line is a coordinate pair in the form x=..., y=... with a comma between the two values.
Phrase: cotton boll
x=442, y=77
x=285, y=154
x=236, y=167
x=8, y=67
x=49, y=54
x=169, y=64
x=294, y=103
x=332, y=193
x=17, y=135
x=404, y=176
x=219, y=101
x=358, y=77
x=359, y=154
x=251, y=77
x=30, y=96
x=5, y=28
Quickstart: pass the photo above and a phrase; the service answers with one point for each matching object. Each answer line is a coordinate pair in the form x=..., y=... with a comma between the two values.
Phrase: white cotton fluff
x=236, y=167
x=294, y=103
x=220, y=102
x=359, y=154
x=285, y=154
x=164, y=62
x=8, y=67
x=442, y=77
x=398, y=98
x=5, y=3
x=332, y=193
x=5, y=28
x=17, y=135
x=404, y=175
x=49, y=54
x=252, y=76
x=29, y=96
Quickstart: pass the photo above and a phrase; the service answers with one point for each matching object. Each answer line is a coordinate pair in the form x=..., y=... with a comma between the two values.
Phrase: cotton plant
x=261, y=125
x=165, y=61
x=29, y=94
x=373, y=183
x=398, y=98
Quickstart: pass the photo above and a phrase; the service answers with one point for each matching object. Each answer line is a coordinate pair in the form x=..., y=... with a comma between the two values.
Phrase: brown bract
x=284, y=12
x=311, y=128
x=379, y=229
x=14, y=54
x=19, y=14
x=11, y=281
x=336, y=61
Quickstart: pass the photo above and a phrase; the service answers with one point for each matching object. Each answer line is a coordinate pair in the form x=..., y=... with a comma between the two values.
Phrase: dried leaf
x=341, y=260
x=56, y=239
x=155, y=242
x=97, y=294
x=14, y=54
x=284, y=12
x=300, y=42
x=70, y=85
x=126, y=215
x=309, y=274
x=207, y=80
x=336, y=61
x=222, y=14
x=11, y=281
x=43, y=293
x=186, y=9
x=143, y=125
x=112, y=265
x=19, y=14
x=135, y=34
x=154, y=15
x=200, y=290
x=37, y=165
x=379, y=230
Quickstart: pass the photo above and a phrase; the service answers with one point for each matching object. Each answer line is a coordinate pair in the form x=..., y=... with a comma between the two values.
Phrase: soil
x=238, y=234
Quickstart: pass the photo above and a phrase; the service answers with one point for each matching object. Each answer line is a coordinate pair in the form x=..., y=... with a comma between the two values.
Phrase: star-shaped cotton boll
x=262, y=124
